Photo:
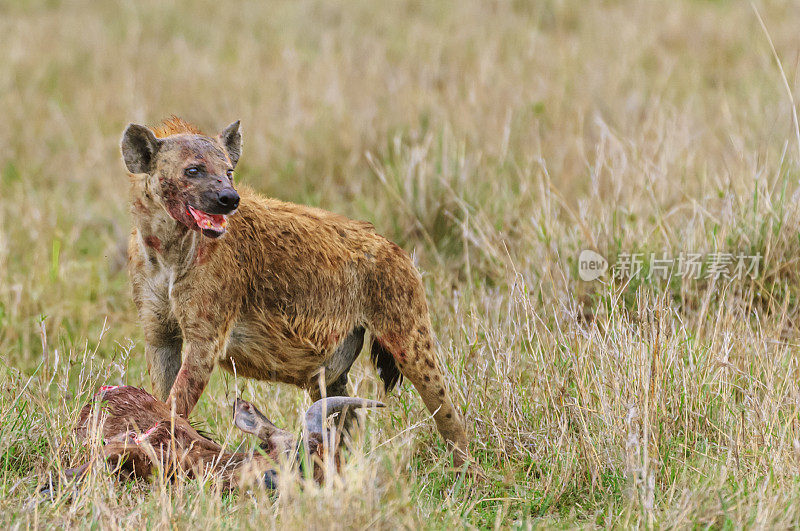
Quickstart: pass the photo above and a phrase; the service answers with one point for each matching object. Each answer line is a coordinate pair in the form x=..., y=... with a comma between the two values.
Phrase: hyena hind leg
x=413, y=354
x=339, y=365
x=346, y=419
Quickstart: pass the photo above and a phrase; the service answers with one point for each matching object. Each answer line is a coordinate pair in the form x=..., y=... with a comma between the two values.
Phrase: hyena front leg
x=163, y=343
x=163, y=353
x=163, y=363
x=193, y=376
x=206, y=320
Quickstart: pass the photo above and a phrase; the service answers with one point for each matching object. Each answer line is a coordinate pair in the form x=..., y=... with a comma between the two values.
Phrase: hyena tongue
x=215, y=222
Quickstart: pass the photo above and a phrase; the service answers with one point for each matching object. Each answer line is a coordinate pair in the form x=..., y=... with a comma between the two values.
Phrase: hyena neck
x=162, y=238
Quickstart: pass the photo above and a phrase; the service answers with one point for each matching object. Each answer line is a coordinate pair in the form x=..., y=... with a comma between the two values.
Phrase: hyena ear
x=231, y=138
x=139, y=147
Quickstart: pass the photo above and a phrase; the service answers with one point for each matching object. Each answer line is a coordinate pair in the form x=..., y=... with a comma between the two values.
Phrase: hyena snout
x=222, y=201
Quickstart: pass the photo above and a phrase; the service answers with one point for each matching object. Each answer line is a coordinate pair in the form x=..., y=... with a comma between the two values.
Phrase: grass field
x=493, y=140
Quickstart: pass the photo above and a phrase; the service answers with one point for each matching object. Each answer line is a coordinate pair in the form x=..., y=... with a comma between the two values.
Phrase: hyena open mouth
x=212, y=225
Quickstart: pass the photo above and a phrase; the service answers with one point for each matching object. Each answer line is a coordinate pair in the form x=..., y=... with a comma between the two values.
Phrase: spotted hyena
x=271, y=290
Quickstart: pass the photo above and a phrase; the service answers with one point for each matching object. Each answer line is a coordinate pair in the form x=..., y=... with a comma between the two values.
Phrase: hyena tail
x=387, y=367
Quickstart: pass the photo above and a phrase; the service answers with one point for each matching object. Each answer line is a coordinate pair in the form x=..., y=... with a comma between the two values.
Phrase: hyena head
x=190, y=174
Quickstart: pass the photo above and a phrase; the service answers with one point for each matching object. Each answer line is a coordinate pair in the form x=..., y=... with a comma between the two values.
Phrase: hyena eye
x=229, y=173
x=191, y=172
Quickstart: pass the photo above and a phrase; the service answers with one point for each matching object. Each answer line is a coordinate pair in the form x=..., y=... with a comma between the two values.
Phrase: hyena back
x=271, y=290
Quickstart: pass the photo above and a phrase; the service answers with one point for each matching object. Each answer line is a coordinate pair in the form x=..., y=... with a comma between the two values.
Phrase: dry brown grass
x=495, y=140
